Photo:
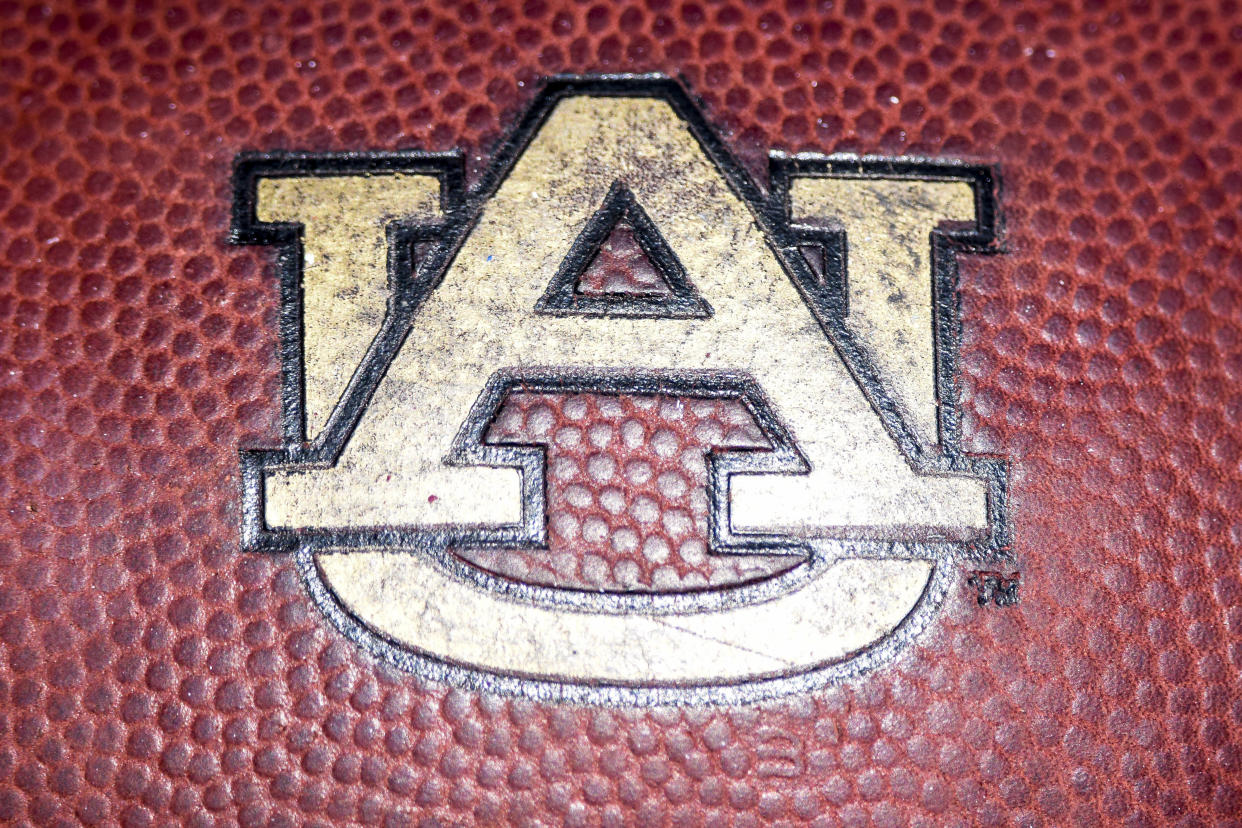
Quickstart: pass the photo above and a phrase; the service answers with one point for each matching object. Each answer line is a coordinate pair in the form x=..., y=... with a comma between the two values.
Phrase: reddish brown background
x=151, y=673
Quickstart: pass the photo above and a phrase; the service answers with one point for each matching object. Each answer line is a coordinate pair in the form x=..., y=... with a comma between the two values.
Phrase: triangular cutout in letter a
x=620, y=265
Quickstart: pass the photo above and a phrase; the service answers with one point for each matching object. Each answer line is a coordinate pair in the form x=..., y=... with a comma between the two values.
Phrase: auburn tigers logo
x=821, y=308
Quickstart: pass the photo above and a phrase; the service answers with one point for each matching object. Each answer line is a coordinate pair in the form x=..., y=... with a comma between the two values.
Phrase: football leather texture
x=154, y=672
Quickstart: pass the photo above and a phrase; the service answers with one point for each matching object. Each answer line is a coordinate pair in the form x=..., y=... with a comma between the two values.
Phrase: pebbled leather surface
x=154, y=675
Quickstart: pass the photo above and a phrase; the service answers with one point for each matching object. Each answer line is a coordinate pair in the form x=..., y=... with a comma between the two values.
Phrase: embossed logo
x=615, y=422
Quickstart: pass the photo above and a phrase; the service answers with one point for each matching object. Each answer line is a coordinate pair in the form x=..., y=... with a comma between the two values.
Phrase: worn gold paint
x=851, y=605
x=480, y=319
x=344, y=266
x=887, y=229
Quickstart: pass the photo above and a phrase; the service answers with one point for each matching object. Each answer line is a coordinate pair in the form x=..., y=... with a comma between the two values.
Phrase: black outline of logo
x=412, y=278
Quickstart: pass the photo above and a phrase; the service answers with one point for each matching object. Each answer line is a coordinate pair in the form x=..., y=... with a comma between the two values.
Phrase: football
x=695, y=412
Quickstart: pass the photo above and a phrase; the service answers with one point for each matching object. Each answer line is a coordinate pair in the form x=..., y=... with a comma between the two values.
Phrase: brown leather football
x=602, y=414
